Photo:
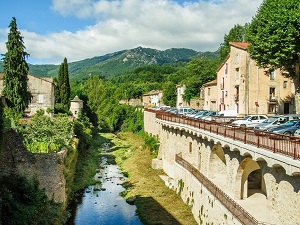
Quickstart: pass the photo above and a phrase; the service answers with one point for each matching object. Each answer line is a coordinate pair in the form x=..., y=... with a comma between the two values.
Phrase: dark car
x=287, y=128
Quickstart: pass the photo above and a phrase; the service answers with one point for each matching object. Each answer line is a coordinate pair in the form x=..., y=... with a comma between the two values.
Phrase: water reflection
x=102, y=204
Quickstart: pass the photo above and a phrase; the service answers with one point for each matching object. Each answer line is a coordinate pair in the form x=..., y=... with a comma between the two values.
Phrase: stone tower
x=76, y=106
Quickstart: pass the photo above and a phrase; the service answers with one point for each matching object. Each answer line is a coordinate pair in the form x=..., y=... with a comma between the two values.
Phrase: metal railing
x=240, y=213
x=277, y=143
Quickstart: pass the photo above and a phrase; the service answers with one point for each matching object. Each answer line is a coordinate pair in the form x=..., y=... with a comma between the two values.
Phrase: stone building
x=42, y=91
x=76, y=106
x=179, y=101
x=248, y=89
x=208, y=95
x=152, y=99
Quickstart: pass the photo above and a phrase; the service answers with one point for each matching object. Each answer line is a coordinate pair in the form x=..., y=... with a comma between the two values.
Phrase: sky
x=81, y=29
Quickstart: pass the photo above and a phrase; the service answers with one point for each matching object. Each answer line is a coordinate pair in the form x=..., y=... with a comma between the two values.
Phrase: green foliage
x=274, y=34
x=198, y=72
x=115, y=64
x=63, y=86
x=45, y=134
x=169, y=94
x=83, y=131
x=152, y=144
x=236, y=34
x=126, y=118
x=24, y=203
x=15, y=73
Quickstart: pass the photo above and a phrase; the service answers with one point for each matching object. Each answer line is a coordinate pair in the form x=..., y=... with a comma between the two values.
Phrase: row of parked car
x=280, y=124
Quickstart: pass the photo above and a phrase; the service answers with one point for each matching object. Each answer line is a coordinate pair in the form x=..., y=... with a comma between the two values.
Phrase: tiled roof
x=153, y=92
x=242, y=45
x=211, y=83
x=47, y=79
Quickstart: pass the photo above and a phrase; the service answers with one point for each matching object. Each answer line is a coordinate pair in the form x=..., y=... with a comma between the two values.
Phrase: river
x=101, y=204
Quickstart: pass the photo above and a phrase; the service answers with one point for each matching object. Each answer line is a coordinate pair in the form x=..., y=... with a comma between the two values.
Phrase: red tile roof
x=242, y=45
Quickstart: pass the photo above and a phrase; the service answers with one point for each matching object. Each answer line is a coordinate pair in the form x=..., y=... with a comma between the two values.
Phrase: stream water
x=101, y=204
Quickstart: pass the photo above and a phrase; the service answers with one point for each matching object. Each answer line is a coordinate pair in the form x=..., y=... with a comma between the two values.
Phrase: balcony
x=273, y=98
x=222, y=86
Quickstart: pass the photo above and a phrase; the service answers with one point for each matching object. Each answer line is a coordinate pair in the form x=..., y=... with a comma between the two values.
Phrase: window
x=237, y=58
x=285, y=84
x=272, y=75
x=226, y=68
x=272, y=95
x=40, y=98
x=208, y=91
x=237, y=73
x=190, y=147
x=272, y=108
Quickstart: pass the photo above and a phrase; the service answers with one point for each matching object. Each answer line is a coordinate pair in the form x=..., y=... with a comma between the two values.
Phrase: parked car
x=172, y=110
x=164, y=108
x=230, y=113
x=201, y=114
x=276, y=121
x=185, y=110
x=297, y=133
x=249, y=121
x=210, y=115
x=198, y=113
x=288, y=128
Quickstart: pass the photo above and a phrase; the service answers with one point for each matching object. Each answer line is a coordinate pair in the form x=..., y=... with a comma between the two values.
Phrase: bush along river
x=101, y=204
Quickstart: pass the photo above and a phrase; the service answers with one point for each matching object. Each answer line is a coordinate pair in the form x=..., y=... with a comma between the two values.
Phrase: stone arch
x=217, y=166
x=249, y=179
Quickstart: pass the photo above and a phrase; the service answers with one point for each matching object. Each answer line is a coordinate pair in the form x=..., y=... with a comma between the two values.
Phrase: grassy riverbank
x=156, y=203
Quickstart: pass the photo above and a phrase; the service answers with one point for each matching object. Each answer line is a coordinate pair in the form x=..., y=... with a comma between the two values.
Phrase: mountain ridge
x=113, y=64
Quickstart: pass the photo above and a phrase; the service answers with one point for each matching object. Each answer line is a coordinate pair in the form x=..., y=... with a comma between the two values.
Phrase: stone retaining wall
x=48, y=168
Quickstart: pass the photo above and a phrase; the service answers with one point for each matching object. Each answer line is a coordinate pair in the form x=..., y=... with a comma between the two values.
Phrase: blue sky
x=80, y=29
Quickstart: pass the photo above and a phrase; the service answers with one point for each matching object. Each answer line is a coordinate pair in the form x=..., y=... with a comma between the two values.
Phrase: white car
x=249, y=121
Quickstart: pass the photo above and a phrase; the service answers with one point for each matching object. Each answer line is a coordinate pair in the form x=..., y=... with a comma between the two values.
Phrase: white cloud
x=125, y=24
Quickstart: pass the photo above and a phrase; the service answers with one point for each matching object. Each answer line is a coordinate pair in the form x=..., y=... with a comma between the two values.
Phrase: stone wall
x=150, y=126
x=277, y=201
x=48, y=168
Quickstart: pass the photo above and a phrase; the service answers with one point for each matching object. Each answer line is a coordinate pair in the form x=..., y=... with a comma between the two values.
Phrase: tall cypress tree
x=66, y=94
x=64, y=84
x=15, y=73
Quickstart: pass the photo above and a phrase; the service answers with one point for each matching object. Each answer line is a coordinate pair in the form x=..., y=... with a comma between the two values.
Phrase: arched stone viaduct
x=226, y=181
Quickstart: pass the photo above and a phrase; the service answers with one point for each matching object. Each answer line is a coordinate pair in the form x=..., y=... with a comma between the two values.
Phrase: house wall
x=210, y=98
x=253, y=87
x=42, y=91
x=224, y=90
x=180, y=102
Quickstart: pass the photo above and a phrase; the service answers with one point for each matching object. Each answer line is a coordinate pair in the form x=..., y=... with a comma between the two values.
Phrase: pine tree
x=15, y=73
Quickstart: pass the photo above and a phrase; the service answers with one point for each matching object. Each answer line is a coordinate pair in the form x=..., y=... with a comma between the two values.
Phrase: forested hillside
x=119, y=62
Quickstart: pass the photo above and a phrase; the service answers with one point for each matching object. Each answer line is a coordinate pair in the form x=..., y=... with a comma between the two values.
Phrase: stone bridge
x=228, y=175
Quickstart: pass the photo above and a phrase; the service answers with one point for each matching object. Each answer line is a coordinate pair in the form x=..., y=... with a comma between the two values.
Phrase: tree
x=169, y=94
x=236, y=34
x=15, y=73
x=63, y=85
x=274, y=37
x=198, y=72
